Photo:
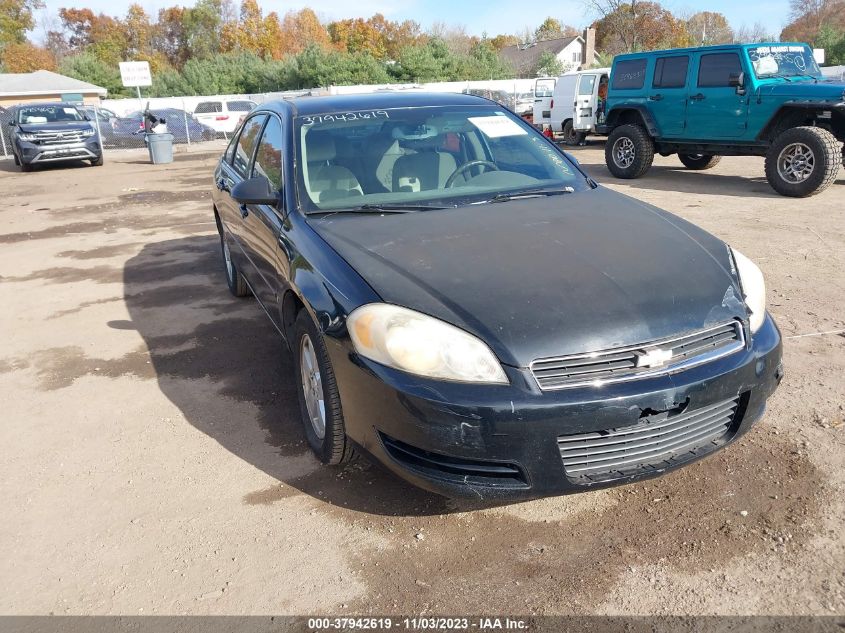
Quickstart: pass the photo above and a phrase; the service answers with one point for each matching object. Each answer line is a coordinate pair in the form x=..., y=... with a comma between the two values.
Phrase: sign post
x=135, y=75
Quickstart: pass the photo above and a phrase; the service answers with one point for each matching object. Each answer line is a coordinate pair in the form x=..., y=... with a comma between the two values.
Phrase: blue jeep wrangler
x=732, y=100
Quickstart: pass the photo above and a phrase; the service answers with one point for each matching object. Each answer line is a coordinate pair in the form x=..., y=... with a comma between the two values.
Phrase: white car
x=223, y=115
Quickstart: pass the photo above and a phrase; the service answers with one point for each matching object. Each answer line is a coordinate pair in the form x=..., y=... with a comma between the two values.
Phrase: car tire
x=234, y=279
x=17, y=160
x=699, y=162
x=25, y=166
x=629, y=151
x=571, y=136
x=319, y=398
x=97, y=162
x=803, y=161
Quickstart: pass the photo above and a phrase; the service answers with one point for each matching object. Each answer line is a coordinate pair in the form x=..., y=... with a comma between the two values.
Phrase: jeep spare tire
x=803, y=161
x=629, y=151
x=699, y=162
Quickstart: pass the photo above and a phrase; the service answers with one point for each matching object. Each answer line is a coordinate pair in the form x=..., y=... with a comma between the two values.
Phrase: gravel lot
x=154, y=463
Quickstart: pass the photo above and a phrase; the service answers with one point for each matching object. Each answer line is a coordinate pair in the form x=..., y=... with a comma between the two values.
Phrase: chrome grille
x=57, y=138
x=655, y=443
x=640, y=361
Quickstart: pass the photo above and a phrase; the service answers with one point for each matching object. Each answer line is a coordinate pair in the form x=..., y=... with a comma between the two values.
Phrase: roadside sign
x=135, y=74
x=818, y=54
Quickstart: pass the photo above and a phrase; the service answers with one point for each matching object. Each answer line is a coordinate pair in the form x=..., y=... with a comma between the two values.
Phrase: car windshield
x=424, y=157
x=48, y=114
x=783, y=61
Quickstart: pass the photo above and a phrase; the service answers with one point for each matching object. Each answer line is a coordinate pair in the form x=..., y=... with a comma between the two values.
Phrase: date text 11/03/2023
x=417, y=624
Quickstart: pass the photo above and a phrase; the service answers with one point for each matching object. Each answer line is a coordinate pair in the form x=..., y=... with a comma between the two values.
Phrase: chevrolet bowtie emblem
x=654, y=358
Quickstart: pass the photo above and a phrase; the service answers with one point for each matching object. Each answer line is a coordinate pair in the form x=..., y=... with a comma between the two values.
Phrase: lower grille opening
x=656, y=443
x=457, y=469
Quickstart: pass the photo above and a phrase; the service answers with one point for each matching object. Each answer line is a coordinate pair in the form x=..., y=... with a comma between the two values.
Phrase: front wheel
x=319, y=399
x=234, y=279
x=97, y=162
x=571, y=136
x=629, y=151
x=699, y=162
x=803, y=161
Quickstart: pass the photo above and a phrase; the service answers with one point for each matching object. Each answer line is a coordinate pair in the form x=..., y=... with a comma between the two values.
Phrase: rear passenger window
x=240, y=106
x=246, y=144
x=671, y=72
x=628, y=74
x=715, y=69
x=208, y=106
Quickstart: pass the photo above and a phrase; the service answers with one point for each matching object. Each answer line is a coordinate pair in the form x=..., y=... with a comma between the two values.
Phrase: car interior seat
x=327, y=181
x=428, y=168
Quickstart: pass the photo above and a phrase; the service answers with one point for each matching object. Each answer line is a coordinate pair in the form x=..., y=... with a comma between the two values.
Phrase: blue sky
x=478, y=16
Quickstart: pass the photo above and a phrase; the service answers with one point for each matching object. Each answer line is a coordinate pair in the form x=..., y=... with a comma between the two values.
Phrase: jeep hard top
x=738, y=99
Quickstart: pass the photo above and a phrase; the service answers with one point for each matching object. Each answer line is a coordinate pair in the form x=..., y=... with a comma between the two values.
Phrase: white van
x=544, y=90
x=223, y=115
x=576, y=107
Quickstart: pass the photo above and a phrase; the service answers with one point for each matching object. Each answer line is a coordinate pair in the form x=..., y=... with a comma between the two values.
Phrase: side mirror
x=12, y=123
x=255, y=190
x=737, y=80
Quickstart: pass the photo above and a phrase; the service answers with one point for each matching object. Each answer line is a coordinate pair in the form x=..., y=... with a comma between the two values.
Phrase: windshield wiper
x=530, y=193
x=379, y=208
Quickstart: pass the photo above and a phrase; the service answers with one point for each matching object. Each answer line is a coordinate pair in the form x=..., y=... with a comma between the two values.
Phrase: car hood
x=545, y=276
x=54, y=127
x=824, y=90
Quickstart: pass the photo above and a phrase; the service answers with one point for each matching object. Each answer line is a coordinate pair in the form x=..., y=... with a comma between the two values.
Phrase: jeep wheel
x=803, y=161
x=629, y=151
x=699, y=162
x=571, y=136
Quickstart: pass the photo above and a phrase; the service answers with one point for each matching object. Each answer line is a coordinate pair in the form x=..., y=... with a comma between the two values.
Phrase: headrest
x=319, y=146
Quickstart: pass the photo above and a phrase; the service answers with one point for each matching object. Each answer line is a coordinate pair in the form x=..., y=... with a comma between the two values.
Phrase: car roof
x=57, y=104
x=695, y=49
x=375, y=101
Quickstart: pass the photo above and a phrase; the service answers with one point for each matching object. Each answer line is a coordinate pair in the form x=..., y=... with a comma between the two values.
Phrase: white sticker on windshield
x=69, y=110
x=497, y=126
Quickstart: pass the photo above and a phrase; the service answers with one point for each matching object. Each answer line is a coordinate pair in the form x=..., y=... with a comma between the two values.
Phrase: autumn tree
x=552, y=29
x=301, y=29
x=810, y=17
x=503, y=41
x=707, y=28
x=632, y=25
x=26, y=58
x=16, y=18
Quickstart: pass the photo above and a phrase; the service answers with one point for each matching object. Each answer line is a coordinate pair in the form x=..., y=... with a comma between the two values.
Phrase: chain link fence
x=197, y=120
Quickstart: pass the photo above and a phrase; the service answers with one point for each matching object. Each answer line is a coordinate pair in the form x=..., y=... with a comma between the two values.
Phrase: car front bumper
x=34, y=153
x=500, y=442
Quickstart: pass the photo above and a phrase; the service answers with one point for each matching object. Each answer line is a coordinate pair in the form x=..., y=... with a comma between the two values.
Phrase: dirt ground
x=153, y=461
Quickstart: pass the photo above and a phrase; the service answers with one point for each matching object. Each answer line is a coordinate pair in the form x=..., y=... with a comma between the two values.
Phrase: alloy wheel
x=624, y=152
x=312, y=386
x=796, y=163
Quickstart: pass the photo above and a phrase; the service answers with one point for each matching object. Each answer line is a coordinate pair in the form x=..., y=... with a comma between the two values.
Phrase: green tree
x=88, y=67
x=832, y=40
x=16, y=18
x=548, y=65
x=202, y=24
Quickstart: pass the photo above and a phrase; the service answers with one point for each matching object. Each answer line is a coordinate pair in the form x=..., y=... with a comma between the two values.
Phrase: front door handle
x=244, y=211
x=656, y=97
x=698, y=97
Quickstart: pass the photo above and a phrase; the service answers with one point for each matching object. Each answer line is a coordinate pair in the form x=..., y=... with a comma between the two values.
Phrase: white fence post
x=6, y=126
x=185, y=115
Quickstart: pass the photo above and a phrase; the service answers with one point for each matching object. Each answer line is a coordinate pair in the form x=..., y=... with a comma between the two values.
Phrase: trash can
x=161, y=148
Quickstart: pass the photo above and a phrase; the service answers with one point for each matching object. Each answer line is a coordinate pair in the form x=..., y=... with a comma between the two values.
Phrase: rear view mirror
x=737, y=80
x=255, y=190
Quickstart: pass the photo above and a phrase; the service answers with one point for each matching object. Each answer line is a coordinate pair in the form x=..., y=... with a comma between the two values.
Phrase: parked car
x=740, y=100
x=129, y=130
x=478, y=314
x=576, y=104
x=52, y=132
x=223, y=115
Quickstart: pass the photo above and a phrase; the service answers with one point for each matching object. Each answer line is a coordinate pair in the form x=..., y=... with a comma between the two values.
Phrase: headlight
x=88, y=132
x=753, y=288
x=26, y=137
x=422, y=345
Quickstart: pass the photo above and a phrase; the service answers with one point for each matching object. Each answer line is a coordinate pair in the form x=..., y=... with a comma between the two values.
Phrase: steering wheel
x=469, y=165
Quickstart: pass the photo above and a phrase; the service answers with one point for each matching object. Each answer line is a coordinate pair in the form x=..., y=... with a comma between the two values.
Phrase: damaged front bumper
x=517, y=442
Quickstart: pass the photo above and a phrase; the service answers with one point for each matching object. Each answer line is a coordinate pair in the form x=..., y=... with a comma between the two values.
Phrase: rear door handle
x=244, y=211
x=655, y=97
x=698, y=97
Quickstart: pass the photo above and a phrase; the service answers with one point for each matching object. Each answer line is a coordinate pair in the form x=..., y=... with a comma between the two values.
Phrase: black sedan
x=466, y=305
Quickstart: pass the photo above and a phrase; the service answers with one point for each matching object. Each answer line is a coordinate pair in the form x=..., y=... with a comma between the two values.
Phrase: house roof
x=43, y=82
x=524, y=57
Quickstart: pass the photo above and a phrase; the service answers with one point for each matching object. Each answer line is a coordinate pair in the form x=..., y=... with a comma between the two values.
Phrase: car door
x=585, y=101
x=714, y=109
x=667, y=99
x=263, y=223
x=233, y=171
